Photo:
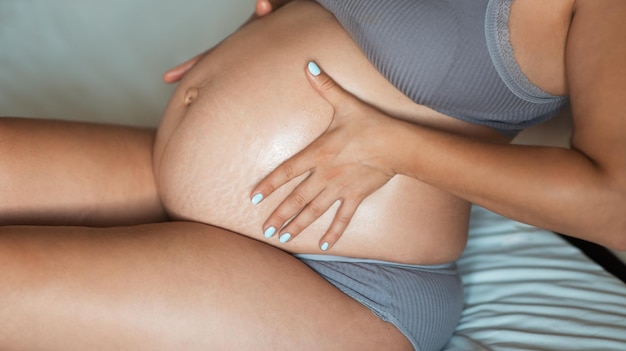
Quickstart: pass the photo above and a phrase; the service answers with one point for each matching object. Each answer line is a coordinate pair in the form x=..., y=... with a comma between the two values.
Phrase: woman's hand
x=265, y=7
x=173, y=75
x=348, y=162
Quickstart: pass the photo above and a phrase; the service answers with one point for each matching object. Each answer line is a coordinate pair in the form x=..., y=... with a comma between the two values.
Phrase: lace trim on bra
x=501, y=52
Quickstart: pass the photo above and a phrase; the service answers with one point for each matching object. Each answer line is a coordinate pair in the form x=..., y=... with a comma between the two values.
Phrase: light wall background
x=101, y=60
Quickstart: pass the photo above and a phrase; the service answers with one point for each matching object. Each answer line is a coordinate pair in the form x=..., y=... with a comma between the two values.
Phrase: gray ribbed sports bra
x=453, y=56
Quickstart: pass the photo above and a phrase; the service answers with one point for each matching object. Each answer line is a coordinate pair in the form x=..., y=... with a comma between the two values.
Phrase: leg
x=171, y=286
x=73, y=173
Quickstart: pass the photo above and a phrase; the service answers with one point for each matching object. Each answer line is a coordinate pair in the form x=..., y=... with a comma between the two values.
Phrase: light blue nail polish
x=269, y=232
x=314, y=69
x=285, y=237
x=257, y=198
x=324, y=246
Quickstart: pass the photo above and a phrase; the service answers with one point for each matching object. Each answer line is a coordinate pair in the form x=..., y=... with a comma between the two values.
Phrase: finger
x=291, y=206
x=175, y=74
x=339, y=224
x=327, y=87
x=313, y=210
x=287, y=171
x=263, y=8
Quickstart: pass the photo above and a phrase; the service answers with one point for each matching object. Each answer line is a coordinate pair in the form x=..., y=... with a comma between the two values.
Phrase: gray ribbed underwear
x=423, y=302
x=453, y=56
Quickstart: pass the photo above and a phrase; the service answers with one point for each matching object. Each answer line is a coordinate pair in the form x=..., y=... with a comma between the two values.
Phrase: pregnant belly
x=247, y=107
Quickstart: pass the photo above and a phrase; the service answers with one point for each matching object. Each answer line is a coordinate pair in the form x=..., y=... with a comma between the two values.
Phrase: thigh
x=171, y=286
x=76, y=173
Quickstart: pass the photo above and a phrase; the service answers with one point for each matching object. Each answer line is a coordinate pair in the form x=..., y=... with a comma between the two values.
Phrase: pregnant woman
x=441, y=87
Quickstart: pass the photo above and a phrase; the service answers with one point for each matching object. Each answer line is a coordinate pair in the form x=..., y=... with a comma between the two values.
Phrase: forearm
x=76, y=174
x=554, y=188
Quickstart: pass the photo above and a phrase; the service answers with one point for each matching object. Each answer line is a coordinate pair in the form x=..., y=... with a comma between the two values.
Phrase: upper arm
x=596, y=70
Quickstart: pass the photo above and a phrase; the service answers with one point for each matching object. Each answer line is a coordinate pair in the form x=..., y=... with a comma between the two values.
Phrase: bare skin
x=171, y=286
x=195, y=286
x=543, y=186
x=68, y=173
x=405, y=221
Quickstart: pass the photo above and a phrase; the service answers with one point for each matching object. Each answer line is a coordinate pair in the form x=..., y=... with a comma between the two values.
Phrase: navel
x=190, y=96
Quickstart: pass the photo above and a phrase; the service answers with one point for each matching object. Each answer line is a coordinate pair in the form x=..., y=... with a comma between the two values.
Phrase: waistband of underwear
x=439, y=268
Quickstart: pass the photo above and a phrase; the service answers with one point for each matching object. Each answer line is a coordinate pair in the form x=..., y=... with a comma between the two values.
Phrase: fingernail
x=314, y=69
x=269, y=232
x=257, y=198
x=325, y=246
x=285, y=237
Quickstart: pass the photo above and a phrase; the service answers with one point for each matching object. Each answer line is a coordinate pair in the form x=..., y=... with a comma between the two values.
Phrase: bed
x=525, y=288
x=529, y=289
